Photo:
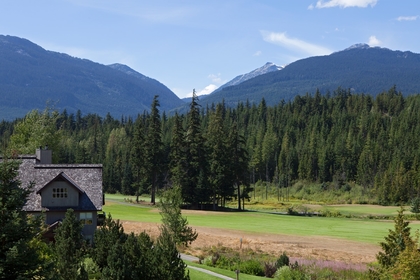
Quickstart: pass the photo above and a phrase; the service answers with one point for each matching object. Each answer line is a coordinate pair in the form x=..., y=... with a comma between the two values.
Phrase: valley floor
x=296, y=247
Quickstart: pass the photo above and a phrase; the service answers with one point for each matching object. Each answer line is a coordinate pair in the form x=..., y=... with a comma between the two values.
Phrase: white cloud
x=409, y=18
x=216, y=81
x=207, y=90
x=294, y=44
x=373, y=41
x=343, y=4
x=257, y=53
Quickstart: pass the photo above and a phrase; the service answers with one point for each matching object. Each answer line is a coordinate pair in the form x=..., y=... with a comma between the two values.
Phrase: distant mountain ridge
x=266, y=68
x=360, y=68
x=31, y=76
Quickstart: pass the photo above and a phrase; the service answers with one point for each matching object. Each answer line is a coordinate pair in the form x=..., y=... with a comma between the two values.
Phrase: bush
x=252, y=267
x=415, y=205
x=286, y=273
x=269, y=269
x=92, y=268
x=328, y=213
x=292, y=211
x=282, y=261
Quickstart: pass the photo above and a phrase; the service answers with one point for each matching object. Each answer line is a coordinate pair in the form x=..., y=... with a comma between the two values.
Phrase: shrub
x=269, y=269
x=283, y=260
x=286, y=273
x=91, y=268
x=252, y=267
x=415, y=205
x=328, y=213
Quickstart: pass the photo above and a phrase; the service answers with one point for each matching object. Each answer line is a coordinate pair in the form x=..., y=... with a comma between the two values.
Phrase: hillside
x=31, y=76
x=361, y=68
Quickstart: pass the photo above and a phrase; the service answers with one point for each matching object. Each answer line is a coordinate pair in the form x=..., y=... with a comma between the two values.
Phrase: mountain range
x=31, y=76
x=360, y=68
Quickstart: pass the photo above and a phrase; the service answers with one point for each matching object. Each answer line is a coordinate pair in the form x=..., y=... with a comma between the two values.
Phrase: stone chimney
x=43, y=156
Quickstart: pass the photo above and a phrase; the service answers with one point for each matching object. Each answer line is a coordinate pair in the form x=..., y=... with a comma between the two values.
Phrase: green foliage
x=128, y=256
x=91, y=268
x=153, y=149
x=407, y=265
x=172, y=220
x=109, y=234
x=22, y=253
x=170, y=263
x=252, y=267
x=395, y=242
x=287, y=273
x=397, y=251
x=345, y=147
x=195, y=187
x=177, y=154
x=69, y=248
x=415, y=205
x=137, y=159
x=283, y=260
x=35, y=130
x=246, y=261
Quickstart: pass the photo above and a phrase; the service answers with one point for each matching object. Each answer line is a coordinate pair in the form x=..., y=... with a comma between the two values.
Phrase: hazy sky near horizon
x=194, y=44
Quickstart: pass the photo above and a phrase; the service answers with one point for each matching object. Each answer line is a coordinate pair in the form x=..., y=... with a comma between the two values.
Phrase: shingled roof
x=87, y=178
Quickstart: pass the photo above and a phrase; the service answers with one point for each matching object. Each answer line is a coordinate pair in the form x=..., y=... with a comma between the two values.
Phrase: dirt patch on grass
x=308, y=247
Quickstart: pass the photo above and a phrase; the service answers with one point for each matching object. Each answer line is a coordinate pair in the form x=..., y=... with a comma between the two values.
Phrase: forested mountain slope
x=31, y=76
x=360, y=68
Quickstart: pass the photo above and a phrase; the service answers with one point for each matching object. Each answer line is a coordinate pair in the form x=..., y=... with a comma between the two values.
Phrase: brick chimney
x=43, y=156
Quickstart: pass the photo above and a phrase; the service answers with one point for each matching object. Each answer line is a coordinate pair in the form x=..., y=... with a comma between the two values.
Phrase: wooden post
x=237, y=274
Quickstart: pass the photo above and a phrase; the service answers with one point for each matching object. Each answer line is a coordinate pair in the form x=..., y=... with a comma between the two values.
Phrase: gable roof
x=87, y=178
x=62, y=175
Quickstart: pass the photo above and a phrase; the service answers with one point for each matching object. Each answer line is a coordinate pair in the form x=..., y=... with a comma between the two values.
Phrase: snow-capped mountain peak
x=266, y=68
x=358, y=46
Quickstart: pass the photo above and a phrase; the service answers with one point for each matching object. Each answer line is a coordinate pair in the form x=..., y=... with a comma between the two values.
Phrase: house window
x=86, y=218
x=59, y=193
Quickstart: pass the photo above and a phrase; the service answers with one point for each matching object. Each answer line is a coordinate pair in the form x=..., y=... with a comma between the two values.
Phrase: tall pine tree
x=195, y=190
x=19, y=258
x=154, y=149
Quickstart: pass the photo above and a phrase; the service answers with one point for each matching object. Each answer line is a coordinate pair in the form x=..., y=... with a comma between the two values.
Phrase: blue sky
x=202, y=44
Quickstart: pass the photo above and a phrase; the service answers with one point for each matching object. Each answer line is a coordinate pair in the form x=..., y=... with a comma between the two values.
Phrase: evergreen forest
x=217, y=153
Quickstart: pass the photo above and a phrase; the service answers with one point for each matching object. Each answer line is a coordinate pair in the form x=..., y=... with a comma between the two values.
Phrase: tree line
x=216, y=153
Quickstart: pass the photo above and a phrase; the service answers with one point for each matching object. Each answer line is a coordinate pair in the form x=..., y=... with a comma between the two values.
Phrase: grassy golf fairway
x=365, y=210
x=362, y=230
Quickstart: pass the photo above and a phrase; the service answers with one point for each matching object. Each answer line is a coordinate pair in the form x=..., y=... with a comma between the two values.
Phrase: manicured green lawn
x=120, y=197
x=370, y=231
x=131, y=212
x=196, y=275
x=363, y=230
x=365, y=210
